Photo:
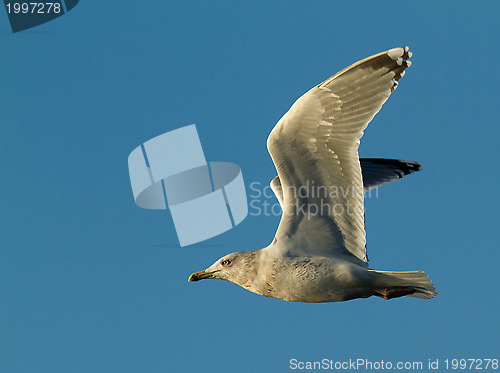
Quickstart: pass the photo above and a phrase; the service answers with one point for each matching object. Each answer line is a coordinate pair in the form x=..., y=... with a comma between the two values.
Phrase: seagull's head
x=236, y=267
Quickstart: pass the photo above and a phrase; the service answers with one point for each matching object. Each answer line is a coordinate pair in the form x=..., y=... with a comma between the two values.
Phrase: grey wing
x=314, y=147
x=375, y=172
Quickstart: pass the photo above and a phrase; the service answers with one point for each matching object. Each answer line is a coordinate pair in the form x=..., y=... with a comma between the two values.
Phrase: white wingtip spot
x=396, y=53
x=399, y=61
x=408, y=63
x=394, y=86
x=401, y=52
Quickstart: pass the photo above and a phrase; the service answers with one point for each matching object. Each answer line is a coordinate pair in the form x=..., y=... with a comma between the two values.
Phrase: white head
x=237, y=267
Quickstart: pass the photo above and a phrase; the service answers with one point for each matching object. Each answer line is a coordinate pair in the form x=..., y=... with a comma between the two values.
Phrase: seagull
x=319, y=251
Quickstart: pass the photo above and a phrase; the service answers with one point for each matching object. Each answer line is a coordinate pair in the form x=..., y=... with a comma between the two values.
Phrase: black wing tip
x=409, y=167
x=404, y=167
x=412, y=166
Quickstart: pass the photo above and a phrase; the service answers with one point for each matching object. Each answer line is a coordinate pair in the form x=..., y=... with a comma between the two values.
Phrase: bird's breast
x=308, y=279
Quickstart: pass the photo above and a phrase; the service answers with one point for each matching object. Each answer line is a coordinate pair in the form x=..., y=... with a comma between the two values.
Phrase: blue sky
x=89, y=282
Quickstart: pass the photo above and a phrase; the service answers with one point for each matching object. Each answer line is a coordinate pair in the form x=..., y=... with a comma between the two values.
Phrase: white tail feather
x=416, y=280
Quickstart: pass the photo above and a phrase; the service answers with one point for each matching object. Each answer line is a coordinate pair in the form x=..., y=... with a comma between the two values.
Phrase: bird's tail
x=397, y=284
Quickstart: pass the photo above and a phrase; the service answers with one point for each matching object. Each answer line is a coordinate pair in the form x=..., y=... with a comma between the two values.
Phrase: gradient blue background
x=89, y=282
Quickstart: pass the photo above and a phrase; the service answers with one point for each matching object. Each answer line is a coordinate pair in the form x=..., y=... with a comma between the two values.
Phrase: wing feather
x=314, y=147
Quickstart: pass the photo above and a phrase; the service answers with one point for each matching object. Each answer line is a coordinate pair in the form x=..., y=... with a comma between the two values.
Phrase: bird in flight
x=319, y=251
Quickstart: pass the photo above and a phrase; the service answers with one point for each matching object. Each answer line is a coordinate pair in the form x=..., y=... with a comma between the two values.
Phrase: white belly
x=314, y=280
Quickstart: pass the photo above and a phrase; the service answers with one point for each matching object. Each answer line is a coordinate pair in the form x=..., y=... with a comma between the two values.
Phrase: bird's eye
x=225, y=262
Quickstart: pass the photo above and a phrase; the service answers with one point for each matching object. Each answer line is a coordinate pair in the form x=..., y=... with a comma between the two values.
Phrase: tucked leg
x=394, y=292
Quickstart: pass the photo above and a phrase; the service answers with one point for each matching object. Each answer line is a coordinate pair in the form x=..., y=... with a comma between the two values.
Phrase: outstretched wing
x=375, y=171
x=315, y=150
